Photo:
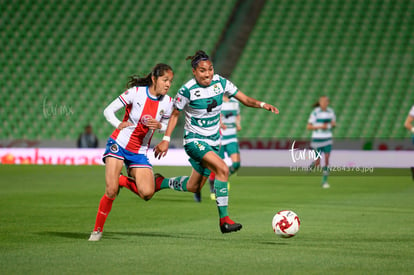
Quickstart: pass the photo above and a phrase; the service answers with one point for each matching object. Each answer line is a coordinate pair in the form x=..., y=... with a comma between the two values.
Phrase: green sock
x=325, y=174
x=234, y=167
x=177, y=183
x=222, y=197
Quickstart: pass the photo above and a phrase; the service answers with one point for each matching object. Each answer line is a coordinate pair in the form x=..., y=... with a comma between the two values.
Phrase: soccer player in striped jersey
x=147, y=108
x=230, y=125
x=408, y=124
x=321, y=122
x=201, y=100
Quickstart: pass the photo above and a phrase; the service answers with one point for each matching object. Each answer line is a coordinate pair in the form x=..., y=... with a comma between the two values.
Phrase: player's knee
x=147, y=193
x=236, y=165
x=222, y=171
x=111, y=191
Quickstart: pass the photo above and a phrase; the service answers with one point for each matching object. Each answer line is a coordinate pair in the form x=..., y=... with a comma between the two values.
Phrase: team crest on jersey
x=126, y=92
x=114, y=148
x=216, y=88
x=145, y=119
x=162, y=112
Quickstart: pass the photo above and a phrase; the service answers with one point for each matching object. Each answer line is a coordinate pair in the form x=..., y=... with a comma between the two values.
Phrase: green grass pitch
x=361, y=225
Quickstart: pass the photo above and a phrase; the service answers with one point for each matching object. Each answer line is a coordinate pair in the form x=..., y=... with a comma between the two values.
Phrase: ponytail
x=157, y=71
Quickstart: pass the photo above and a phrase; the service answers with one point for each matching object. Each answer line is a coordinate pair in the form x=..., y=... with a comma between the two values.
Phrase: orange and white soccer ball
x=286, y=223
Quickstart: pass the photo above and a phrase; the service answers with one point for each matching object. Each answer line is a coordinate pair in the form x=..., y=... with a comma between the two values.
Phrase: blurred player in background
x=321, y=122
x=408, y=124
x=147, y=108
x=87, y=139
x=201, y=100
x=230, y=125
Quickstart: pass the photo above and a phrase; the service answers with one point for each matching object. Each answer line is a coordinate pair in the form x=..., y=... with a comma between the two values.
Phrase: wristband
x=166, y=138
x=262, y=104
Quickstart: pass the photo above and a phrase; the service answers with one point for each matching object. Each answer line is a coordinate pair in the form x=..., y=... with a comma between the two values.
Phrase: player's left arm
x=238, y=122
x=408, y=124
x=254, y=103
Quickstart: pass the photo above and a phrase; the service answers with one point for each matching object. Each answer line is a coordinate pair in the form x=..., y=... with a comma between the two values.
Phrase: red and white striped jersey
x=139, y=107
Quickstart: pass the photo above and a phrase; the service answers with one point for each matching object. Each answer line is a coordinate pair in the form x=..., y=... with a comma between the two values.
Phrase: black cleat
x=228, y=228
x=197, y=197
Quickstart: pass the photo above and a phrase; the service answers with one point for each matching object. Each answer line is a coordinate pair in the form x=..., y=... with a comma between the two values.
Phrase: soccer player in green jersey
x=321, y=122
x=201, y=99
x=408, y=124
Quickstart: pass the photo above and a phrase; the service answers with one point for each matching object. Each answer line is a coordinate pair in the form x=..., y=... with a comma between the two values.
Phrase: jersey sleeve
x=333, y=116
x=127, y=97
x=110, y=111
x=238, y=108
x=230, y=89
x=312, y=117
x=182, y=98
x=411, y=113
x=166, y=117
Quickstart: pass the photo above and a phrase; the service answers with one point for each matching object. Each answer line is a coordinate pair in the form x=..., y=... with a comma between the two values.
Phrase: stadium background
x=62, y=62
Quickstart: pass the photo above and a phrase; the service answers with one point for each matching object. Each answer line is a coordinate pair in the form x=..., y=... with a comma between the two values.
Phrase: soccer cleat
x=227, y=225
x=197, y=197
x=212, y=196
x=325, y=185
x=95, y=236
x=228, y=228
x=158, y=178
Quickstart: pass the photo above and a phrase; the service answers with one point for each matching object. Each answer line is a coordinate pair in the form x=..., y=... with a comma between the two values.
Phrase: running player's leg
x=113, y=167
x=211, y=179
x=316, y=162
x=216, y=164
x=195, y=150
x=235, y=163
x=138, y=163
x=144, y=179
x=325, y=170
x=233, y=151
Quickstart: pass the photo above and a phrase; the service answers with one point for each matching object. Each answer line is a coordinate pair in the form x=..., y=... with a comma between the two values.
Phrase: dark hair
x=199, y=56
x=157, y=71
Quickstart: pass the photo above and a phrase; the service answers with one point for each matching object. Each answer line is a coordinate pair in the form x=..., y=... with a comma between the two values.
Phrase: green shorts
x=324, y=149
x=196, y=150
x=230, y=149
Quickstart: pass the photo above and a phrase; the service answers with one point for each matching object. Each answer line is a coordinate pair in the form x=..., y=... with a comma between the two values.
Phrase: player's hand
x=161, y=149
x=271, y=108
x=223, y=126
x=153, y=124
x=124, y=124
x=326, y=125
x=238, y=127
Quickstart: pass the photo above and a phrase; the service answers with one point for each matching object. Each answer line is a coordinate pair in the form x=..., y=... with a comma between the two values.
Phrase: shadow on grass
x=111, y=235
x=70, y=235
x=116, y=235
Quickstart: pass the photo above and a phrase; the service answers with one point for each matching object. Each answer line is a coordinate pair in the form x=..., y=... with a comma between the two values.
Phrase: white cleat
x=325, y=185
x=95, y=236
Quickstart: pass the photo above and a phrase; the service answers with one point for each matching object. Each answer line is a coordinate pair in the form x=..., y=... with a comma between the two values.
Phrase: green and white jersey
x=229, y=113
x=202, y=108
x=321, y=137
